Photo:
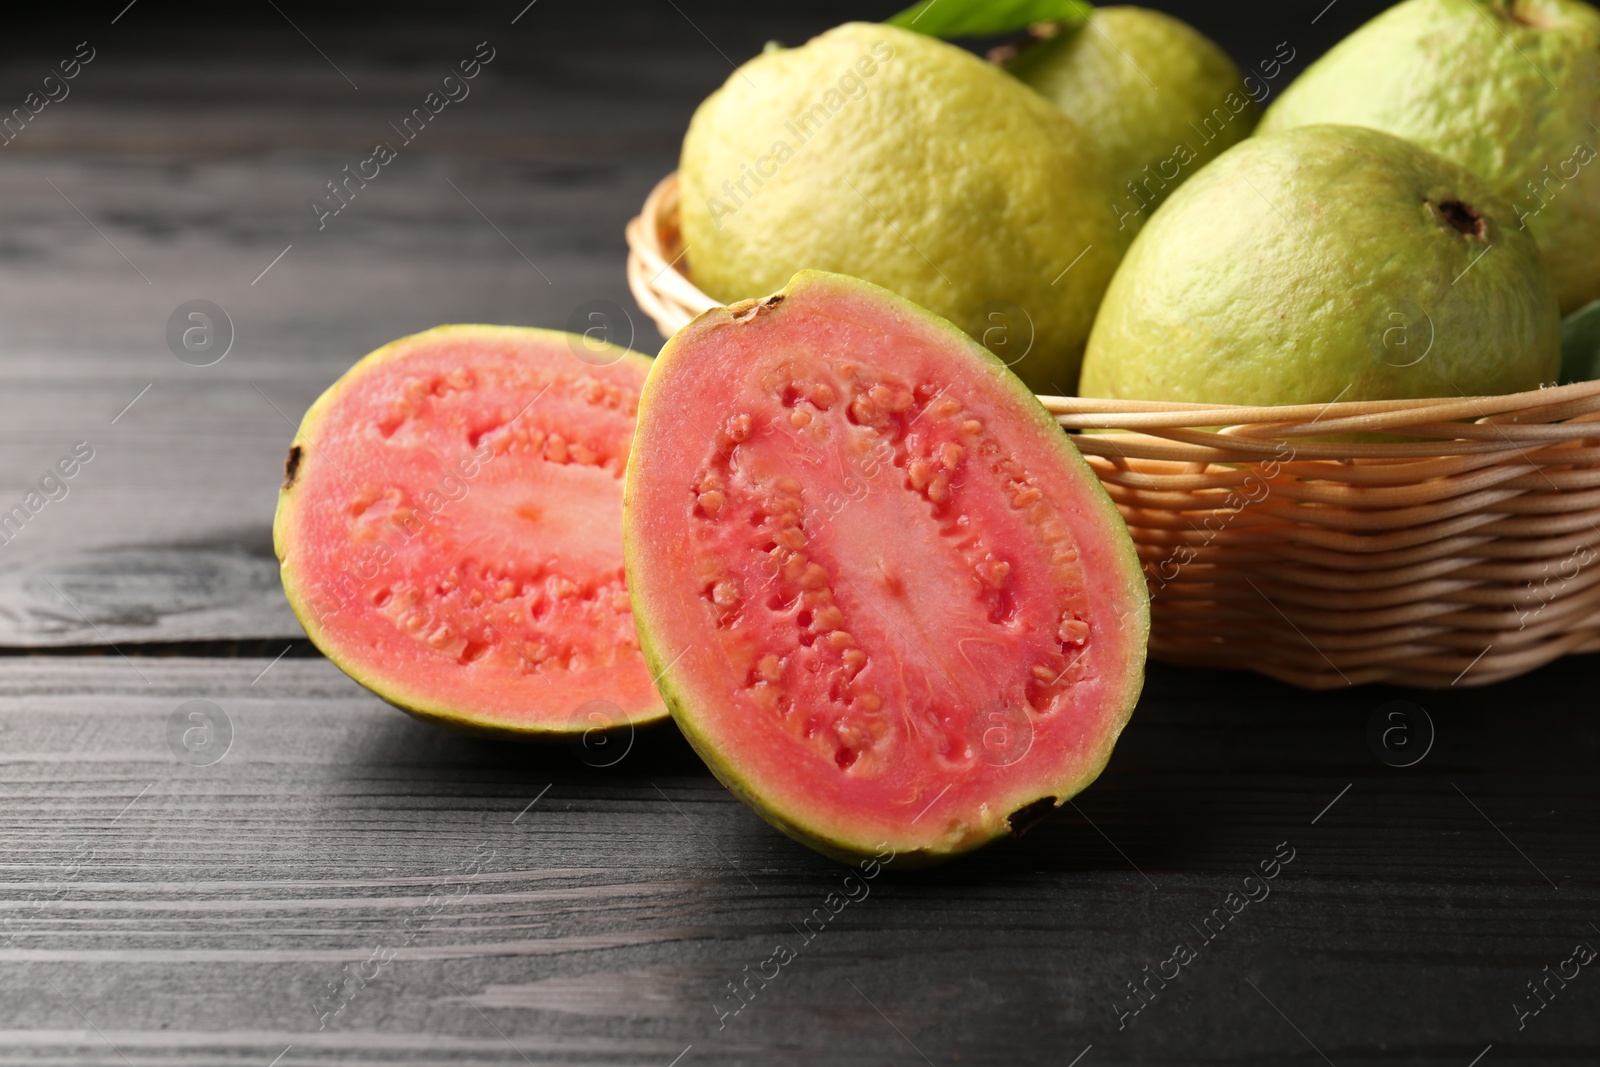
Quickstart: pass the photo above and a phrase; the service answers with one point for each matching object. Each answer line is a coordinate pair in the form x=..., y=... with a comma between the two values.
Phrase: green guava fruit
x=450, y=530
x=1326, y=263
x=886, y=599
x=1580, y=344
x=1155, y=95
x=1509, y=89
x=911, y=163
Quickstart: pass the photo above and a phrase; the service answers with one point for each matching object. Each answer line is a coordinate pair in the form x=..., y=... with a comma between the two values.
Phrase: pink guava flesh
x=450, y=529
x=888, y=600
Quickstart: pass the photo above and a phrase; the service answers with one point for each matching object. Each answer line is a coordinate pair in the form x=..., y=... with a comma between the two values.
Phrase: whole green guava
x=1156, y=96
x=1327, y=263
x=1509, y=88
x=883, y=154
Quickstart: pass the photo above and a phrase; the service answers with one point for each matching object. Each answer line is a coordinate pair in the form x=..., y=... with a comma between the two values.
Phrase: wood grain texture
x=196, y=914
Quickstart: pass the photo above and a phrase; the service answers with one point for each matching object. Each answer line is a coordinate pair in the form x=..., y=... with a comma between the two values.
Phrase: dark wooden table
x=334, y=882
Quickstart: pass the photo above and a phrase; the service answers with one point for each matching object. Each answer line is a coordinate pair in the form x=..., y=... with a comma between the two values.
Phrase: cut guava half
x=883, y=595
x=449, y=530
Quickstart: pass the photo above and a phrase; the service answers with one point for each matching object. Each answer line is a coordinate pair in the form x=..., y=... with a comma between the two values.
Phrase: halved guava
x=884, y=596
x=450, y=529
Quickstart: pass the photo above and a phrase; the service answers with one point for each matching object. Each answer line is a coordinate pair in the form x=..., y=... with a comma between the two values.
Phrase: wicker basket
x=1462, y=558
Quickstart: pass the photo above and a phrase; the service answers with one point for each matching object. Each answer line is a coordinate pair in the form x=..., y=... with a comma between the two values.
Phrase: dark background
x=156, y=911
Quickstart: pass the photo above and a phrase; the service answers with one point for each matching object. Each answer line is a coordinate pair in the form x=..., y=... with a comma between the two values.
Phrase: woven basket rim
x=1435, y=554
x=658, y=280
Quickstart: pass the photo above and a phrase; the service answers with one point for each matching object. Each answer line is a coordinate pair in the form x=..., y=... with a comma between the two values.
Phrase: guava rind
x=305, y=454
x=1274, y=275
x=1580, y=344
x=938, y=176
x=643, y=540
x=1154, y=94
x=1510, y=90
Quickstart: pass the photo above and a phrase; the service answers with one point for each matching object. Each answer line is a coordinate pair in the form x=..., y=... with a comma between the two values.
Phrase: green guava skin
x=1156, y=96
x=1276, y=274
x=637, y=548
x=1580, y=345
x=1510, y=90
x=931, y=173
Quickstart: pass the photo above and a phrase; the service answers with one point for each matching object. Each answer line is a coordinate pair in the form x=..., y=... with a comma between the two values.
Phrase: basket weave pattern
x=1462, y=555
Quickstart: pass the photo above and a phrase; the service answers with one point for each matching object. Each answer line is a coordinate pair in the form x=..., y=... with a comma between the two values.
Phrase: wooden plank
x=165, y=533
x=181, y=167
x=521, y=903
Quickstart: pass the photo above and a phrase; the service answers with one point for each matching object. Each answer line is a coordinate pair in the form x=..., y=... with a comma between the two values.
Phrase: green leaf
x=987, y=18
x=1580, y=345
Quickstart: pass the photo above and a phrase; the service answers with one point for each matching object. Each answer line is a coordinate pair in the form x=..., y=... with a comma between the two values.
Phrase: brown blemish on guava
x=1518, y=13
x=1461, y=217
x=749, y=310
x=291, y=466
x=1028, y=816
x=1036, y=33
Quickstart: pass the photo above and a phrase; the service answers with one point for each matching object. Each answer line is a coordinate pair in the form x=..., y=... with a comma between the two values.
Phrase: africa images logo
x=851, y=85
